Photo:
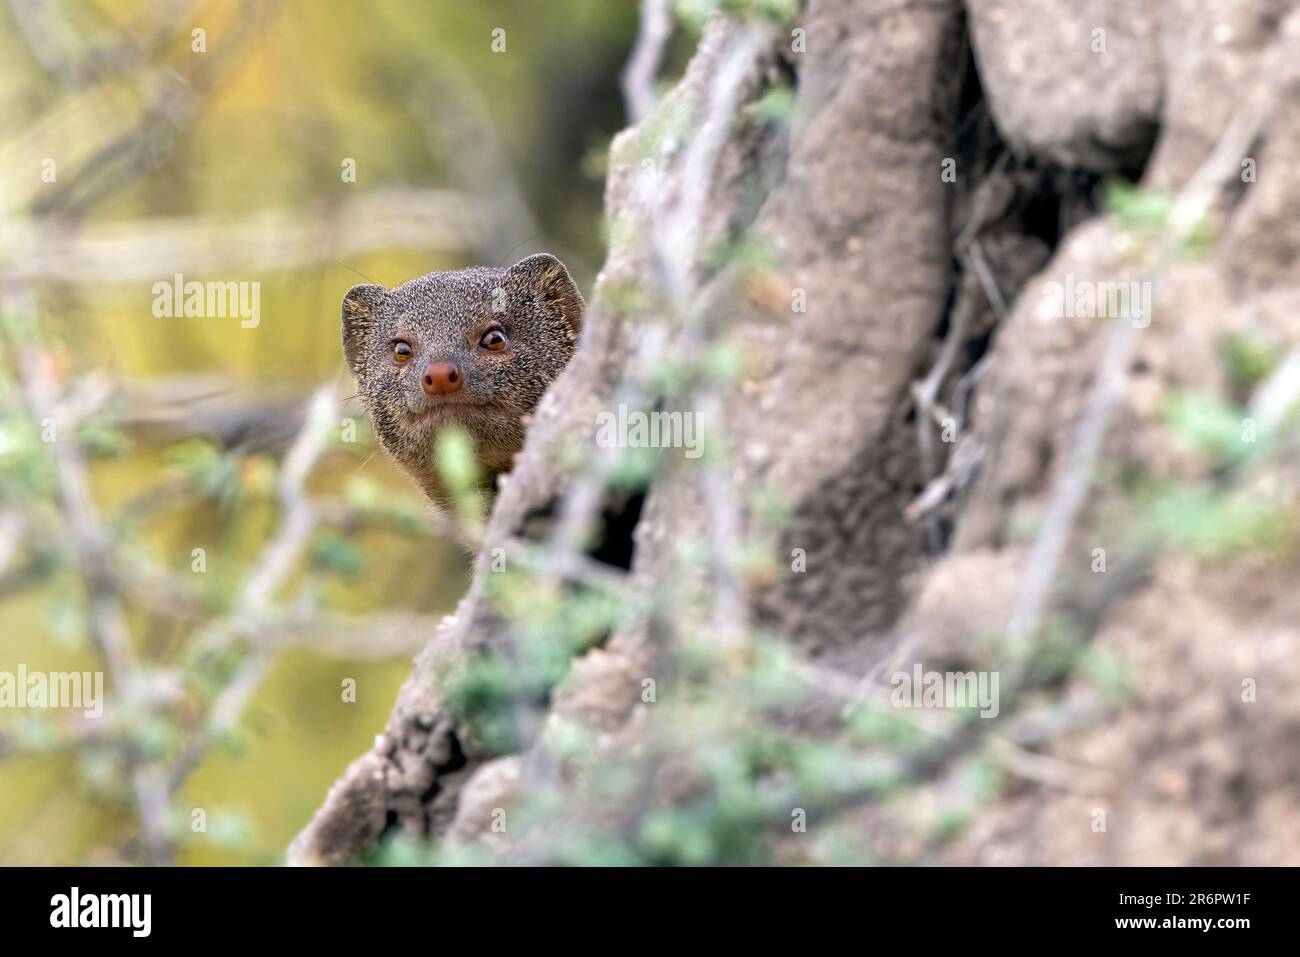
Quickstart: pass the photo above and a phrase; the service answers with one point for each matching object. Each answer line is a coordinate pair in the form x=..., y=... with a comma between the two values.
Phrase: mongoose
x=475, y=348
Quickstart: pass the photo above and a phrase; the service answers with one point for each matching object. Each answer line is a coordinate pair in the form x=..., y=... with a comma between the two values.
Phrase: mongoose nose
x=442, y=378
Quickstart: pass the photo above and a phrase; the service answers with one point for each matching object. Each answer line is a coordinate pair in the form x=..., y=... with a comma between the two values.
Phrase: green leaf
x=454, y=453
x=1210, y=426
x=333, y=553
x=1138, y=209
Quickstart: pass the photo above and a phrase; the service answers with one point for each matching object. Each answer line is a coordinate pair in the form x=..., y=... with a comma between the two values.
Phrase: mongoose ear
x=359, y=307
x=550, y=283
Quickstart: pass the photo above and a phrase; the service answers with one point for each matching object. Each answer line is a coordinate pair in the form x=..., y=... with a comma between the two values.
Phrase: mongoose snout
x=442, y=378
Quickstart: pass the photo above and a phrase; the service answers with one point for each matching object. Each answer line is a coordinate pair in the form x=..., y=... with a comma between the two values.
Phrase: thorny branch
x=1193, y=204
x=108, y=626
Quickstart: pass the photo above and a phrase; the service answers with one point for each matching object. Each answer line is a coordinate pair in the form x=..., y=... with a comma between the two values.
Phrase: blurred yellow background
x=145, y=130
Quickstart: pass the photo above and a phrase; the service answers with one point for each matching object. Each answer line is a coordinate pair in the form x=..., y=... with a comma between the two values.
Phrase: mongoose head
x=475, y=348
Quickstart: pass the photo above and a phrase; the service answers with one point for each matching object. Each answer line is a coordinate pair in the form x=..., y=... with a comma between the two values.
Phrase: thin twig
x=638, y=79
x=145, y=250
x=277, y=560
x=1071, y=488
x=108, y=624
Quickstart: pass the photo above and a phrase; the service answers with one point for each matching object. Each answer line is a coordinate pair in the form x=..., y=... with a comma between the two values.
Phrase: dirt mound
x=1030, y=418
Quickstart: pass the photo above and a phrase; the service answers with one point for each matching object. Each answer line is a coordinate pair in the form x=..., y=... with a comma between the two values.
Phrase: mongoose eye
x=402, y=351
x=494, y=339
